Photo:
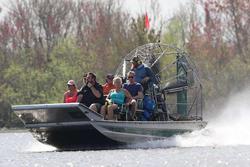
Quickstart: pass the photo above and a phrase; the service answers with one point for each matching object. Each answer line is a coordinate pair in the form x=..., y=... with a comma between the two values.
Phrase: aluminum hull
x=74, y=126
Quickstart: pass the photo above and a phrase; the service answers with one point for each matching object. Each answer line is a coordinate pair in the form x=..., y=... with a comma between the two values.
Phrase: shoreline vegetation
x=43, y=44
x=13, y=130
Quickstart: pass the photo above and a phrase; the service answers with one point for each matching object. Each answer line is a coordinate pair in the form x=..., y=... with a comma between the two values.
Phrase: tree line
x=216, y=34
x=44, y=43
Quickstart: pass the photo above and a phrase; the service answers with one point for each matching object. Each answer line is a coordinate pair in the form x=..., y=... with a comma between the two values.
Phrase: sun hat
x=71, y=82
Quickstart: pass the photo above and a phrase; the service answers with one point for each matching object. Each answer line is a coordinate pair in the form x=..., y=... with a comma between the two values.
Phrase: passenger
x=143, y=73
x=91, y=93
x=108, y=85
x=116, y=98
x=135, y=89
x=70, y=96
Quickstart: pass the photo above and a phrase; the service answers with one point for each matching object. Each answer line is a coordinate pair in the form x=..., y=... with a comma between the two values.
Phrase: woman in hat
x=70, y=96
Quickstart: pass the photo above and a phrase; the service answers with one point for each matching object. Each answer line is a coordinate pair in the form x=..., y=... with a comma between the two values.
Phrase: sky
x=167, y=7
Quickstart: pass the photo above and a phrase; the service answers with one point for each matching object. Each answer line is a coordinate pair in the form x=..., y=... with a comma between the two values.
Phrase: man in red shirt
x=108, y=85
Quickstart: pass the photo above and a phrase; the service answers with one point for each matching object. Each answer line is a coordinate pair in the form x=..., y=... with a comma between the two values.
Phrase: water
x=224, y=142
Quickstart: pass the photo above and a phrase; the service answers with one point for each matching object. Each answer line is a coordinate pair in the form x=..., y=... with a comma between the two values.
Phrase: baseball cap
x=71, y=82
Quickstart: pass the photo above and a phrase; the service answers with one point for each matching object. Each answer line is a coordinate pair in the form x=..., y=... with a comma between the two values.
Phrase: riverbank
x=13, y=130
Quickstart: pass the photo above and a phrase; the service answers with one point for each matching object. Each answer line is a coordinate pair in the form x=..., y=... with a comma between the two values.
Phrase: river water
x=224, y=142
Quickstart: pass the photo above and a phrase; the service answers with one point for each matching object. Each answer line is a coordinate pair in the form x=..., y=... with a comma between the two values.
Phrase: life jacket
x=71, y=99
x=148, y=103
x=107, y=87
x=117, y=97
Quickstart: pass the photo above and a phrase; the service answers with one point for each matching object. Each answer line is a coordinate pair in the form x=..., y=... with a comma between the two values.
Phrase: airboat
x=178, y=107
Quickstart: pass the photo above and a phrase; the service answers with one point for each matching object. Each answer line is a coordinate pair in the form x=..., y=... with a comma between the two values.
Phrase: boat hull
x=74, y=126
x=141, y=131
x=78, y=137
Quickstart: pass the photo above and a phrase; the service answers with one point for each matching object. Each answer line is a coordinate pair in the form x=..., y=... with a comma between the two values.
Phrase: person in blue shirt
x=135, y=89
x=143, y=73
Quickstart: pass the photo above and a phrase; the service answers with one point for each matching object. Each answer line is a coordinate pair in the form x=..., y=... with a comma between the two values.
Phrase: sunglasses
x=130, y=76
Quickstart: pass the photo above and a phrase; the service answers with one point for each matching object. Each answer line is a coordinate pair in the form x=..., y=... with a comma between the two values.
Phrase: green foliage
x=174, y=32
x=141, y=34
x=26, y=85
x=68, y=61
x=234, y=76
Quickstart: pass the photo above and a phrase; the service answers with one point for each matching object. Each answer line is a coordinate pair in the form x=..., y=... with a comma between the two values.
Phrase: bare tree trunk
x=238, y=29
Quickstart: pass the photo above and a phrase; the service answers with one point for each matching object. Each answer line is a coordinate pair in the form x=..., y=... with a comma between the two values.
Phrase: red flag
x=146, y=21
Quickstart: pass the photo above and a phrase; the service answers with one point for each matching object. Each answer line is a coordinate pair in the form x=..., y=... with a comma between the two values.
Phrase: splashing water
x=231, y=127
x=34, y=146
x=39, y=147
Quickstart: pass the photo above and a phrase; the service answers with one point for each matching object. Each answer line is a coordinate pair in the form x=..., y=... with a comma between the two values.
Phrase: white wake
x=230, y=127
